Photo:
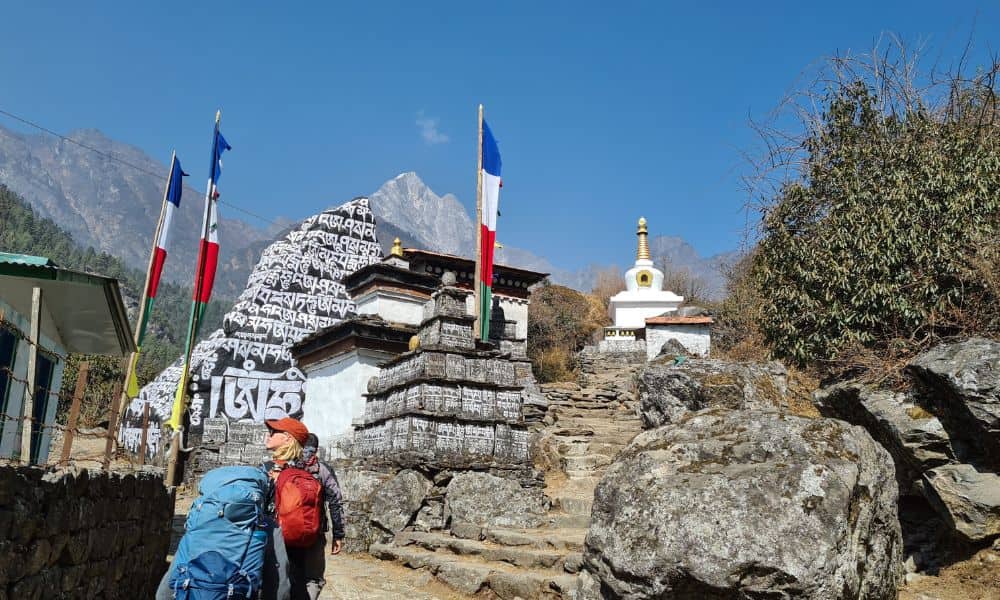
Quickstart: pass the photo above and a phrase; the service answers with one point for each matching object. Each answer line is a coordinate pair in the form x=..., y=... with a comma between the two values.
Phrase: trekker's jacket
x=331, y=494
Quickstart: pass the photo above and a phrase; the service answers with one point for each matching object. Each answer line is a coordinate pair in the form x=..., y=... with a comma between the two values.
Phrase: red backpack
x=297, y=501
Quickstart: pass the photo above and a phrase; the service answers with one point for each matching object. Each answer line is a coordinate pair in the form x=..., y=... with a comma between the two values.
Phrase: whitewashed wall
x=392, y=306
x=696, y=338
x=334, y=389
x=514, y=309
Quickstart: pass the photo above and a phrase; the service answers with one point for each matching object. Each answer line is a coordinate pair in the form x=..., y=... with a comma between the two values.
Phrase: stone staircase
x=587, y=425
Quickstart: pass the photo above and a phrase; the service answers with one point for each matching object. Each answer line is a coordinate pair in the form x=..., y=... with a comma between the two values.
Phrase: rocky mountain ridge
x=113, y=205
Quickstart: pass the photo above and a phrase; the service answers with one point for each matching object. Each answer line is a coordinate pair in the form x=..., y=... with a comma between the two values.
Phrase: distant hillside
x=23, y=231
x=113, y=207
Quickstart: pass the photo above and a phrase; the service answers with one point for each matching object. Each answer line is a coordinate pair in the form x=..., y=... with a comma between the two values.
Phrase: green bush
x=890, y=231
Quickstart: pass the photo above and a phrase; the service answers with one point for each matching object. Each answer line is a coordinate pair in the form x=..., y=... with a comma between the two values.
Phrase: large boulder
x=963, y=381
x=747, y=504
x=475, y=500
x=358, y=486
x=967, y=499
x=915, y=438
x=668, y=392
x=396, y=501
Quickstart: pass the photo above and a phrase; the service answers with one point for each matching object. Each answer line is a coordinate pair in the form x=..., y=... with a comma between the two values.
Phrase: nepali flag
x=171, y=202
x=208, y=252
x=488, y=226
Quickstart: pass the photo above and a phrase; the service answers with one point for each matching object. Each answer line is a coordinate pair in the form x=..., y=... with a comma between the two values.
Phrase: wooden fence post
x=112, y=425
x=145, y=434
x=74, y=410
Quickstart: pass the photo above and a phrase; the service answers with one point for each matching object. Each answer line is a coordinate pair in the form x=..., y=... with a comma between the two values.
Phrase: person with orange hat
x=285, y=439
x=302, y=517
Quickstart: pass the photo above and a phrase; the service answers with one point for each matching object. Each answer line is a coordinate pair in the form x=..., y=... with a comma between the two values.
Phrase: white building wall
x=334, y=389
x=696, y=338
x=393, y=307
x=632, y=311
x=514, y=309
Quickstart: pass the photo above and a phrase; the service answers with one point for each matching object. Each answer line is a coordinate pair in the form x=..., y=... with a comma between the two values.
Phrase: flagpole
x=138, y=333
x=180, y=402
x=476, y=284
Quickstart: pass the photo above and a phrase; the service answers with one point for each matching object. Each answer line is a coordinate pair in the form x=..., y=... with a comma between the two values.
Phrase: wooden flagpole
x=130, y=369
x=177, y=438
x=479, y=224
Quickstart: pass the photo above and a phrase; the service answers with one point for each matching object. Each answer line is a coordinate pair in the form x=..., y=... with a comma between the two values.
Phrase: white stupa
x=644, y=296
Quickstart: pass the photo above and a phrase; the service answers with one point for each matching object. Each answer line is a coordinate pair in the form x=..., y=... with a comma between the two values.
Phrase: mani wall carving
x=447, y=403
x=244, y=372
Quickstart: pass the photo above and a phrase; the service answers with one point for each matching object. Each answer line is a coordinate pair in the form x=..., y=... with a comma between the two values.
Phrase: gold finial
x=643, y=252
x=397, y=248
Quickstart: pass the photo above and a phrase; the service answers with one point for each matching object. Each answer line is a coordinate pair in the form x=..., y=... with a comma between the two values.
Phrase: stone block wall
x=593, y=361
x=81, y=534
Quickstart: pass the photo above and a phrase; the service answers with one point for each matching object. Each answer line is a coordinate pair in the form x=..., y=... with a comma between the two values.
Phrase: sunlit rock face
x=746, y=504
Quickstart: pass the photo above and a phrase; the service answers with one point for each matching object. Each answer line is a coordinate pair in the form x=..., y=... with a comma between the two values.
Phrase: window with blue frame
x=8, y=350
x=45, y=367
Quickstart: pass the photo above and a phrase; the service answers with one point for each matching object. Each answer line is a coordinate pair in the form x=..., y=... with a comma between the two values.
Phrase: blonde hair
x=290, y=450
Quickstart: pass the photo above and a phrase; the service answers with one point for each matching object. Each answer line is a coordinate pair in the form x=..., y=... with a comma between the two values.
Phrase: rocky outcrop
x=747, y=504
x=969, y=500
x=962, y=387
x=397, y=500
x=915, y=438
x=483, y=500
x=942, y=434
x=668, y=392
x=358, y=486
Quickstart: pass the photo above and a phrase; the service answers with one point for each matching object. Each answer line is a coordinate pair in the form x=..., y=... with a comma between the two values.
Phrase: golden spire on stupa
x=397, y=248
x=643, y=252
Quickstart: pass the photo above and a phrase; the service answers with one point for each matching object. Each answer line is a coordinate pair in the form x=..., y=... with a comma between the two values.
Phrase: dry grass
x=977, y=578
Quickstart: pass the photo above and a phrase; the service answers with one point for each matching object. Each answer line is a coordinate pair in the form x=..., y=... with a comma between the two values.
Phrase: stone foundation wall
x=592, y=361
x=82, y=534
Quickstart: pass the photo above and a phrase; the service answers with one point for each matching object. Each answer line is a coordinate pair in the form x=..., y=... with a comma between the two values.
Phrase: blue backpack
x=221, y=555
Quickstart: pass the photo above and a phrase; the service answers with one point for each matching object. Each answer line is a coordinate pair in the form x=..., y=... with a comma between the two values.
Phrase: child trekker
x=305, y=493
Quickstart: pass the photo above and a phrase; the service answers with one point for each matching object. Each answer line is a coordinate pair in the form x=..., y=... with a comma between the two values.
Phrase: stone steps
x=518, y=556
x=562, y=520
x=472, y=574
x=574, y=505
x=568, y=540
x=585, y=462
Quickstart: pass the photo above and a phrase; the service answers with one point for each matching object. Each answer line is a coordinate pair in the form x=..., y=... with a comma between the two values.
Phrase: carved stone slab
x=244, y=371
x=449, y=333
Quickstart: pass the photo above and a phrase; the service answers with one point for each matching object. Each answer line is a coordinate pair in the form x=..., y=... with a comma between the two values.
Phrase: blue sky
x=603, y=111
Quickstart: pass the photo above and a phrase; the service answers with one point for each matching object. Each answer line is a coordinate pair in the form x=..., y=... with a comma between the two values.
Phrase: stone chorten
x=447, y=402
x=644, y=295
